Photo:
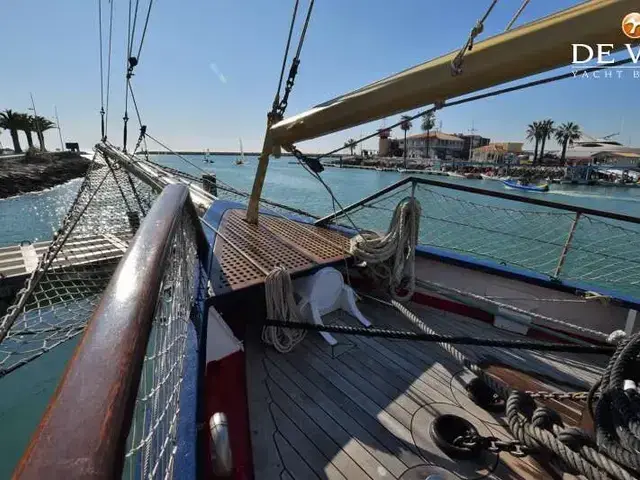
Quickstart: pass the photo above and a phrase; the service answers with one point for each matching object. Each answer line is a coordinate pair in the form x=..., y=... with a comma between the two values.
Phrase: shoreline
x=39, y=172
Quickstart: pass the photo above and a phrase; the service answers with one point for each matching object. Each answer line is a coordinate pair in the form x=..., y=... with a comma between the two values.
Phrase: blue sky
x=208, y=69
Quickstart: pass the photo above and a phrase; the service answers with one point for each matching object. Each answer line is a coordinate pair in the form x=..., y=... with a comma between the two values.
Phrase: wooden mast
x=530, y=49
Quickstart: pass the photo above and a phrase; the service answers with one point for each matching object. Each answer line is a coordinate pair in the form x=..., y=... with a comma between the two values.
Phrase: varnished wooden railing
x=84, y=430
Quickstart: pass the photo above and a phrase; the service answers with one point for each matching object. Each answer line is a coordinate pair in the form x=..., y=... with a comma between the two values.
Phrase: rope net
x=61, y=293
x=599, y=252
x=152, y=444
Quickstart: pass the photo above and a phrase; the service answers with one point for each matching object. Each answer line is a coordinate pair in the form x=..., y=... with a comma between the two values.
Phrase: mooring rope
x=281, y=305
x=392, y=256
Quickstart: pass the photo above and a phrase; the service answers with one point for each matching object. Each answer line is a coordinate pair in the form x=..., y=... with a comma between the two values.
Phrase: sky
x=208, y=69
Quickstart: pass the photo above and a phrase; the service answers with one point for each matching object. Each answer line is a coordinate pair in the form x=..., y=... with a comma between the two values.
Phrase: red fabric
x=226, y=391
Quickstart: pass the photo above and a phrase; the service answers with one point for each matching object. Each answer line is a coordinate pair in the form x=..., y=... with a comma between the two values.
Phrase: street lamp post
x=59, y=129
x=35, y=116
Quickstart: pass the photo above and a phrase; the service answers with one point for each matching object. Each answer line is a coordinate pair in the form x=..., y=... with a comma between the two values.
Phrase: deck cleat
x=445, y=436
x=484, y=396
x=455, y=436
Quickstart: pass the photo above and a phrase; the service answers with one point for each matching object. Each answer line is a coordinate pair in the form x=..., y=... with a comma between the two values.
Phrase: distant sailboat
x=207, y=159
x=240, y=159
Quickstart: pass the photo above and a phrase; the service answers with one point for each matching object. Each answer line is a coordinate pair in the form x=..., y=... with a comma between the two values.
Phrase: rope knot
x=574, y=438
x=545, y=418
x=616, y=337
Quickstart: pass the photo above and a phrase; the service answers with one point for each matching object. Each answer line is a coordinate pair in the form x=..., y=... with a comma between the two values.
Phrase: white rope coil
x=392, y=256
x=281, y=305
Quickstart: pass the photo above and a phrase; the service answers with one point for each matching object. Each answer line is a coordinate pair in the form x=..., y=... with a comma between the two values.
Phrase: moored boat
x=517, y=185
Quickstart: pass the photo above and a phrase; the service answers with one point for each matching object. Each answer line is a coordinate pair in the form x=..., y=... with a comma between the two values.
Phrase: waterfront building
x=471, y=142
x=441, y=145
x=498, y=153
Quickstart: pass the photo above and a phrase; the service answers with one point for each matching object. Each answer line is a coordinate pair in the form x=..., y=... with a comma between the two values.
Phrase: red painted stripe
x=453, y=307
x=482, y=315
x=226, y=391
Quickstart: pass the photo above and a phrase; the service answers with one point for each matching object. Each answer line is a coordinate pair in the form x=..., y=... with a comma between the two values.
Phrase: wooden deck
x=246, y=253
x=362, y=409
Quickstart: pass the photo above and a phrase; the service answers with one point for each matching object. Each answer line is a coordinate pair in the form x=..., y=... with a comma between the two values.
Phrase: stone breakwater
x=32, y=173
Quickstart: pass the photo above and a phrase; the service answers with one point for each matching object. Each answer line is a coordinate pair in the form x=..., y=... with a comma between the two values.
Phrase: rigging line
x=304, y=29
x=101, y=69
x=106, y=120
x=133, y=28
x=493, y=93
x=331, y=194
x=144, y=30
x=176, y=153
x=456, y=64
x=129, y=32
x=517, y=15
x=293, y=70
x=276, y=100
x=135, y=104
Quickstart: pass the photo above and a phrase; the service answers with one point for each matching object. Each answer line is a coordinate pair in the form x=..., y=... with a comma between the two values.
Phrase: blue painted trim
x=187, y=433
x=191, y=398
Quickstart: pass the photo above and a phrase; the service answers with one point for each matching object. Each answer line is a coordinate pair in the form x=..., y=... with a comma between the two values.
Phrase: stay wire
x=286, y=54
x=135, y=104
x=144, y=30
x=106, y=120
x=304, y=29
x=132, y=33
x=517, y=15
x=101, y=68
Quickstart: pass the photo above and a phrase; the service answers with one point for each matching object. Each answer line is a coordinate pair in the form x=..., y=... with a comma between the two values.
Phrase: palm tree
x=547, y=131
x=11, y=121
x=566, y=134
x=428, y=122
x=405, y=126
x=351, y=145
x=533, y=133
x=42, y=124
x=27, y=126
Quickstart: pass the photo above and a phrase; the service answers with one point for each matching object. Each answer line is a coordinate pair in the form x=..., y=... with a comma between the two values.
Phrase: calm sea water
x=35, y=216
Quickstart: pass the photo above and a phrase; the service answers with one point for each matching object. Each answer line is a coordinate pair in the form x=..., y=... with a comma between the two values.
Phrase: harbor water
x=34, y=217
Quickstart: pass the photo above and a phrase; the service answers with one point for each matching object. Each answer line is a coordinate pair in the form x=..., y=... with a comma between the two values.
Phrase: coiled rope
x=392, y=256
x=617, y=413
x=281, y=305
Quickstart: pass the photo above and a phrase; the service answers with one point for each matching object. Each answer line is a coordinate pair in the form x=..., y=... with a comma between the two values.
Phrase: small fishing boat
x=402, y=170
x=379, y=169
x=526, y=187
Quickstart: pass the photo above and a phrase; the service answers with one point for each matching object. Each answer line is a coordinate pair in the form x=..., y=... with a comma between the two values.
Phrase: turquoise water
x=35, y=216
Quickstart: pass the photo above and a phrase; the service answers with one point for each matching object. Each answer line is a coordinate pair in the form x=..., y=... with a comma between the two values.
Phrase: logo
x=600, y=56
x=631, y=25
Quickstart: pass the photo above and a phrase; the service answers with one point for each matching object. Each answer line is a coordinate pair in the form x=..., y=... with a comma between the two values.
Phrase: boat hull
x=526, y=188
